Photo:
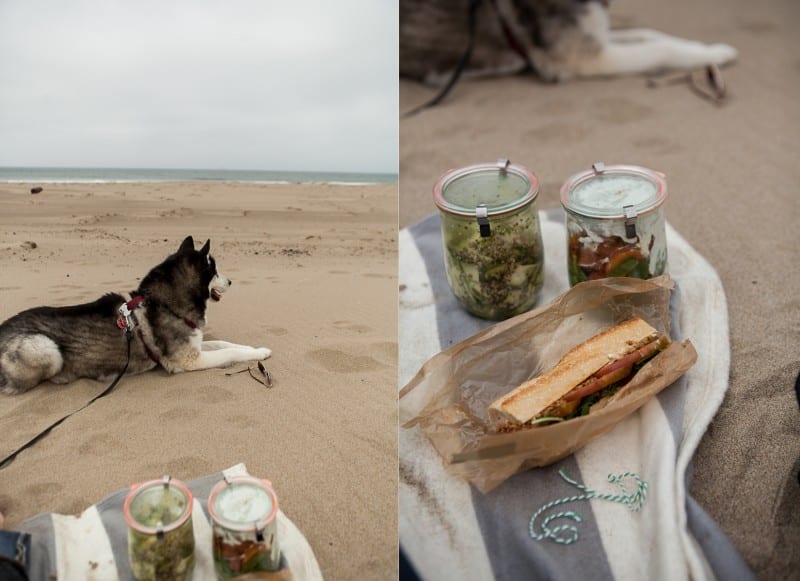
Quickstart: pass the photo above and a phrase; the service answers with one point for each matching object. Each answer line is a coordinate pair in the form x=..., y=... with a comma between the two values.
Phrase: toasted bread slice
x=531, y=398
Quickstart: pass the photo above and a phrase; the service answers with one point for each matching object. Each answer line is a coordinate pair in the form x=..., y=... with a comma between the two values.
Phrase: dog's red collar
x=135, y=302
x=126, y=310
x=127, y=321
x=513, y=42
x=147, y=349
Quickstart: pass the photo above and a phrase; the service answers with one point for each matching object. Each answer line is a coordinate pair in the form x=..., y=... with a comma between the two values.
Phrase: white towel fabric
x=449, y=530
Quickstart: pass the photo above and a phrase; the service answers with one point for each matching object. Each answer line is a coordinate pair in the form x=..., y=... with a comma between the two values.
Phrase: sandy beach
x=314, y=279
x=729, y=170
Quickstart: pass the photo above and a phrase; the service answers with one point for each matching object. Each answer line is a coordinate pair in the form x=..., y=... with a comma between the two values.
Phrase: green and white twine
x=567, y=534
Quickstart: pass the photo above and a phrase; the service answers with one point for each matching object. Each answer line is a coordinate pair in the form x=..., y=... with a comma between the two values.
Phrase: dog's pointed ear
x=206, y=247
x=187, y=245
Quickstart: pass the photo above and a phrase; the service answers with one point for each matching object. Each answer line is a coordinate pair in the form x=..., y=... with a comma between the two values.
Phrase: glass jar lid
x=613, y=191
x=158, y=506
x=500, y=187
x=242, y=503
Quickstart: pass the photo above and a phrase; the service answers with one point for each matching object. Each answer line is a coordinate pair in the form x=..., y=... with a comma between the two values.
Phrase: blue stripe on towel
x=724, y=559
x=453, y=322
x=504, y=515
x=42, y=563
x=110, y=511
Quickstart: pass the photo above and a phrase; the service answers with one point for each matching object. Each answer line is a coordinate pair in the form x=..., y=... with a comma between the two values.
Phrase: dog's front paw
x=263, y=353
x=721, y=54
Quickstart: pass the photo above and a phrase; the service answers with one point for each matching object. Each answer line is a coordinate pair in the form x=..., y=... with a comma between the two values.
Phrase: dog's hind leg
x=26, y=361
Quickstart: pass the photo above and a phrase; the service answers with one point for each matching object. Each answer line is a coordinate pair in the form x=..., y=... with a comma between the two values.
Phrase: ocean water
x=122, y=175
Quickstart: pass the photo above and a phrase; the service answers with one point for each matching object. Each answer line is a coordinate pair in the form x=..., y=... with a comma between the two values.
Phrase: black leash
x=462, y=64
x=10, y=458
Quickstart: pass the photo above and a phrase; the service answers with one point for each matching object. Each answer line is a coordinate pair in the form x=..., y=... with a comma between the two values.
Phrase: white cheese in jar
x=243, y=503
x=610, y=193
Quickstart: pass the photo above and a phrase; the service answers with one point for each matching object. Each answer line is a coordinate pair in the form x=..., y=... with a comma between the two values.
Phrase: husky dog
x=556, y=39
x=163, y=321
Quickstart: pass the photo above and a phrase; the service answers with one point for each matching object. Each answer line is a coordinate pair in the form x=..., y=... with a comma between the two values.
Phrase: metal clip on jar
x=493, y=251
x=160, y=533
x=244, y=513
x=615, y=223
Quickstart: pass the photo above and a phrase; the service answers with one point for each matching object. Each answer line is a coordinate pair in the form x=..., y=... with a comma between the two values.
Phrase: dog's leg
x=224, y=357
x=28, y=360
x=648, y=51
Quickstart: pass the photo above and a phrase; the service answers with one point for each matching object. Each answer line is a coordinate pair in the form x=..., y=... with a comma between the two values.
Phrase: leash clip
x=124, y=320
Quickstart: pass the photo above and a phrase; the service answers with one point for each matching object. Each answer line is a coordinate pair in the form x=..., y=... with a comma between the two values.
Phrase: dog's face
x=205, y=267
x=219, y=284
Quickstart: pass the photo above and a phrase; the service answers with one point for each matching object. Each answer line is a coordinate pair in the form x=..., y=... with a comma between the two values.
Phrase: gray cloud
x=238, y=84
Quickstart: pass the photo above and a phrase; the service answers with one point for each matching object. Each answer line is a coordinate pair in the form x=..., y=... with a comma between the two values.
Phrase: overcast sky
x=218, y=84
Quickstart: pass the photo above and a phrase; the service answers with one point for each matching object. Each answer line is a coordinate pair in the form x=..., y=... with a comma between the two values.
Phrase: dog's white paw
x=263, y=353
x=721, y=54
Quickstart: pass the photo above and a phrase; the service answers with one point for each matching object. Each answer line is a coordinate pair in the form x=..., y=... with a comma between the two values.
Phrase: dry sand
x=733, y=175
x=314, y=279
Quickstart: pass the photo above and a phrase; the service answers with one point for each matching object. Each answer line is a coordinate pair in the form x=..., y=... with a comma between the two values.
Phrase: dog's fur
x=561, y=39
x=62, y=344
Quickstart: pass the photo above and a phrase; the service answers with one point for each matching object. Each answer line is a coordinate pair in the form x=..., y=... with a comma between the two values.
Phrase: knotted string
x=567, y=534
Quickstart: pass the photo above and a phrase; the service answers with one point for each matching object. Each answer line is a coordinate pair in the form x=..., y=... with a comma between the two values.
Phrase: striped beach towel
x=94, y=545
x=585, y=525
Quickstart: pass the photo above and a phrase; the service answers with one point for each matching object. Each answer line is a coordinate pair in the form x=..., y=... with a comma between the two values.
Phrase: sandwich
x=590, y=371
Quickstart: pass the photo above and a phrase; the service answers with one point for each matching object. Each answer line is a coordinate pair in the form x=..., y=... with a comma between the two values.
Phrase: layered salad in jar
x=500, y=275
x=599, y=249
x=167, y=555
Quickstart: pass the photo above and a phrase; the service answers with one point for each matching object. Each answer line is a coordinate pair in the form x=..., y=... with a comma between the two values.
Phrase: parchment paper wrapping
x=450, y=395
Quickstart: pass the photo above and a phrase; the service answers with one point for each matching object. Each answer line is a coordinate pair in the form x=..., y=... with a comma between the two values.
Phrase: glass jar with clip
x=160, y=531
x=492, y=238
x=615, y=222
x=244, y=512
